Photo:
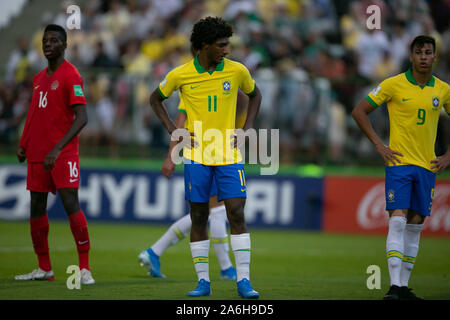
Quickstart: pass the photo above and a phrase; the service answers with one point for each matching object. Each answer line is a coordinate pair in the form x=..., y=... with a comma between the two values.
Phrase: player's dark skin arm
x=156, y=101
x=21, y=154
x=361, y=116
x=81, y=120
x=161, y=112
x=168, y=167
x=441, y=162
x=254, y=103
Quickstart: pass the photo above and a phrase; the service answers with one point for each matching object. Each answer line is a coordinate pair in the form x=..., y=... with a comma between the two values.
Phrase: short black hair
x=57, y=28
x=209, y=30
x=420, y=41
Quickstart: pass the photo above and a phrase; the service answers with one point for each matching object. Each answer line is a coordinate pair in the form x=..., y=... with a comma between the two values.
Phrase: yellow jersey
x=210, y=103
x=241, y=113
x=414, y=114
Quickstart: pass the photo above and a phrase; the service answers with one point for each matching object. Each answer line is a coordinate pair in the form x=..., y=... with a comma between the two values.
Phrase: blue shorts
x=201, y=180
x=213, y=191
x=409, y=187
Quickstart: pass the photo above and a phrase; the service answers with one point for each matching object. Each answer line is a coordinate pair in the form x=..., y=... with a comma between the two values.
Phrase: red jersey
x=50, y=114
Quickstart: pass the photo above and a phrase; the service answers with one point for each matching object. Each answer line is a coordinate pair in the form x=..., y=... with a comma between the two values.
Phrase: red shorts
x=65, y=174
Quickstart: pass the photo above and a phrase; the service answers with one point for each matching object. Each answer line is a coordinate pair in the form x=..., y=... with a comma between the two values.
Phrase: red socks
x=78, y=225
x=39, y=236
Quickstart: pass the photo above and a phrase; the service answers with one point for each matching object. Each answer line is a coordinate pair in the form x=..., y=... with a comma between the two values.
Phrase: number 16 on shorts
x=73, y=171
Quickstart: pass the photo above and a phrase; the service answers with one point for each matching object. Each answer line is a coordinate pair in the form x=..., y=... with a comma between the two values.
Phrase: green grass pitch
x=287, y=265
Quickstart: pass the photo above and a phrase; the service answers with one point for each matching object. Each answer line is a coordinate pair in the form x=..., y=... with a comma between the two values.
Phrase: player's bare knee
x=398, y=213
x=235, y=207
x=415, y=218
x=69, y=198
x=236, y=218
x=199, y=214
x=38, y=205
x=199, y=219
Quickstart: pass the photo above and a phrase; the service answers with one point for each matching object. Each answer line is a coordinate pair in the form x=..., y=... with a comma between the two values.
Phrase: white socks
x=411, y=247
x=177, y=231
x=394, y=248
x=200, y=251
x=241, y=246
x=402, y=245
x=219, y=236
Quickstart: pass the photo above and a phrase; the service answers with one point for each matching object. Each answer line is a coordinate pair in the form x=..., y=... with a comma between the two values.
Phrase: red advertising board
x=358, y=205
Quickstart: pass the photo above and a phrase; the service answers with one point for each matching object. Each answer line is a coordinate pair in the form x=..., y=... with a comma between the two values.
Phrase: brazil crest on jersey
x=414, y=113
x=210, y=102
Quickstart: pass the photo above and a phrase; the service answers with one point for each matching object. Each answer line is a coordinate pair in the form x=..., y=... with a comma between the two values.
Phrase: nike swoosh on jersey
x=403, y=99
x=194, y=87
x=73, y=180
x=242, y=190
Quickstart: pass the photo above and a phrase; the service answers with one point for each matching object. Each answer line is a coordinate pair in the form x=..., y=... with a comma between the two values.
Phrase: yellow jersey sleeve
x=447, y=101
x=381, y=94
x=181, y=105
x=247, y=84
x=169, y=84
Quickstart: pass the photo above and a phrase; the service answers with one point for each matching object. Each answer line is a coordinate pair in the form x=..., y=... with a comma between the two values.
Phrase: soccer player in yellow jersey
x=414, y=100
x=150, y=258
x=208, y=85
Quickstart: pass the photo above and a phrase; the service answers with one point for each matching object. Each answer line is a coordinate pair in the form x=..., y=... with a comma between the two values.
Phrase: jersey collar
x=411, y=79
x=200, y=68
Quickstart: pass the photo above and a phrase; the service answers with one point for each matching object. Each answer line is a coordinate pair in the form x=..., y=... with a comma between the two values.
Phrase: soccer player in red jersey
x=49, y=143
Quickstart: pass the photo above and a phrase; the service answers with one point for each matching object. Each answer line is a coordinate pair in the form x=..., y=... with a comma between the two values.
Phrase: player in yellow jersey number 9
x=414, y=101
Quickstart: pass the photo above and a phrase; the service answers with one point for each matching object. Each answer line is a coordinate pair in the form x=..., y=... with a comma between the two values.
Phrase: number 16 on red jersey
x=42, y=99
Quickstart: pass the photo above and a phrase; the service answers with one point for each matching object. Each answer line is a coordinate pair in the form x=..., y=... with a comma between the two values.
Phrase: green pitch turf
x=288, y=265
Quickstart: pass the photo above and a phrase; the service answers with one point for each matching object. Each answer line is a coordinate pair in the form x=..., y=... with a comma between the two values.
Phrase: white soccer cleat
x=86, y=277
x=37, y=274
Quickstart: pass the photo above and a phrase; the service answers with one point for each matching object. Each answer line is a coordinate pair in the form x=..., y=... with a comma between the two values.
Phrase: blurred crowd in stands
x=312, y=59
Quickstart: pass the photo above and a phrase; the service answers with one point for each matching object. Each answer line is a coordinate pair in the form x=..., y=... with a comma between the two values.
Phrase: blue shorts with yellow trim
x=201, y=180
x=409, y=187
